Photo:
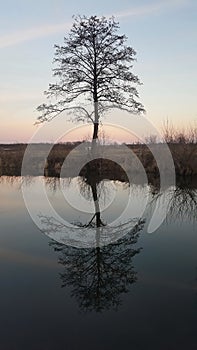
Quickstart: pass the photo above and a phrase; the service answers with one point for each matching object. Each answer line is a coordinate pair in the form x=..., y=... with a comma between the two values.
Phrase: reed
x=184, y=155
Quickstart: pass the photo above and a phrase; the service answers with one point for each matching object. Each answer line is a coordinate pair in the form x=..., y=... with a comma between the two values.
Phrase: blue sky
x=164, y=34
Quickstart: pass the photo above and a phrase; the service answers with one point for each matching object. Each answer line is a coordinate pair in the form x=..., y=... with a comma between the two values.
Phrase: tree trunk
x=95, y=132
x=96, y=121
x=96, y=205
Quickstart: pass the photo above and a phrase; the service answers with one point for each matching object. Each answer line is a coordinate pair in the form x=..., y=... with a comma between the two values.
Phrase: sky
x=162, y=32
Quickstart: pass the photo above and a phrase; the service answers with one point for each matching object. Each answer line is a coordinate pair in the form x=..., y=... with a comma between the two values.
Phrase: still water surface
x=138, y=293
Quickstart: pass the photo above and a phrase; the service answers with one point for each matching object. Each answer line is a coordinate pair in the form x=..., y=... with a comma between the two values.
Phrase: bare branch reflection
x=99, y=276
x=183, y=201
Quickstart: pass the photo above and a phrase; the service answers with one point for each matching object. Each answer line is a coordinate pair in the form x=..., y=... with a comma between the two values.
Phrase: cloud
x=21, y=36
x=150, y=9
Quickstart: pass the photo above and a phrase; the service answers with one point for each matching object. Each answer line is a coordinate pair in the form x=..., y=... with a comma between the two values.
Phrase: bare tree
x=93, y=66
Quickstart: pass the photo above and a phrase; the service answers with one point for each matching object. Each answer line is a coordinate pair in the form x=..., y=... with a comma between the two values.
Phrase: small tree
x=94, y=65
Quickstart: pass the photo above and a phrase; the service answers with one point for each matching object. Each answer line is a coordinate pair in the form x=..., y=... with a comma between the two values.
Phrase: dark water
x=138, y=293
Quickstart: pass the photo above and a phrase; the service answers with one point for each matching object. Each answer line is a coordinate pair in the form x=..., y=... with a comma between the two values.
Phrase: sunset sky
x=163, y=32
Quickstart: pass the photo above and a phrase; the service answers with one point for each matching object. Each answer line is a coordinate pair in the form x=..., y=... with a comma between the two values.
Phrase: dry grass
x=11, y=156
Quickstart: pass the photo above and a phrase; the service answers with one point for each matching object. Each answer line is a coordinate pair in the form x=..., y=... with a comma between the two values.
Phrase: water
x=138, y=293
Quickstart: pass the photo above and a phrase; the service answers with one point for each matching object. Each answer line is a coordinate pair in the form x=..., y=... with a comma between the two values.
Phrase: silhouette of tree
x=183, y=203
x=182, y=200
x=94, y=65
x=98, y=276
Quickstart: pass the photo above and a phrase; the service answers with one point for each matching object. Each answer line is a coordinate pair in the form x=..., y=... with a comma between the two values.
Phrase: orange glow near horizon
x=13, y=131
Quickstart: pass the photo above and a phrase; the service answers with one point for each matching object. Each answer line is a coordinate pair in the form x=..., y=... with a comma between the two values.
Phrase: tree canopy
x=93, y=70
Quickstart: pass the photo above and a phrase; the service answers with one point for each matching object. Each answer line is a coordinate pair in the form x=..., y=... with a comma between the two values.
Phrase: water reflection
x=99, y=276
x=182, y=201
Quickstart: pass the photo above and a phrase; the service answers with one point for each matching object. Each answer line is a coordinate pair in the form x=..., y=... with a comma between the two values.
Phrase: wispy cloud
x=33, y=33
x=153, y=8
x=21, y=36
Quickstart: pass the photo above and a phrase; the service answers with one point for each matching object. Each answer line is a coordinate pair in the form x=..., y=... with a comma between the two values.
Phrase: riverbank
x=11, y=158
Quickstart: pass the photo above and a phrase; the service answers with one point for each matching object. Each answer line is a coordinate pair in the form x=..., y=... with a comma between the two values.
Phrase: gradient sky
x=163, y=32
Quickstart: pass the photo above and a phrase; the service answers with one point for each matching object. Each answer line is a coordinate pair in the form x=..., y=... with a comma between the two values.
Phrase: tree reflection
x=99, y=275
x=182, y=200
x=183, y=204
